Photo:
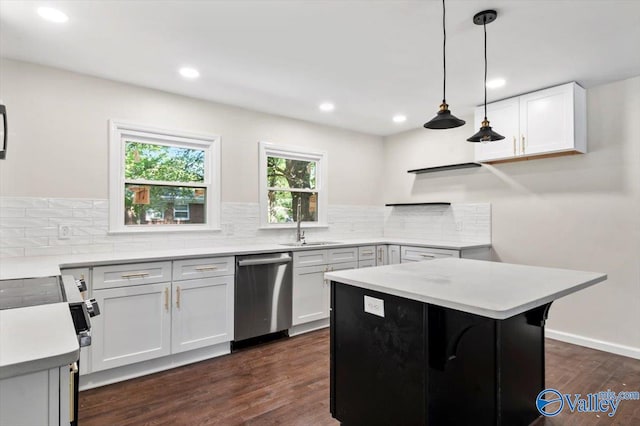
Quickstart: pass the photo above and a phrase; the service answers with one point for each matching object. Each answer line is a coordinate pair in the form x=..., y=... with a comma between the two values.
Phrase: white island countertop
x=490, y=289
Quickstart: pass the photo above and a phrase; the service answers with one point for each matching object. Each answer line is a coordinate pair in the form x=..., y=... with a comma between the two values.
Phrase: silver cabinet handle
x=367, y=252
x=430, y=256
x=206, y=268
x=178, y=297
x=135, y=275
x=522, y=147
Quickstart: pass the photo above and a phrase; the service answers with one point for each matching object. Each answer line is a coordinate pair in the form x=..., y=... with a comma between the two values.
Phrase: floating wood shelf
x=417, y=204
x=443, y=168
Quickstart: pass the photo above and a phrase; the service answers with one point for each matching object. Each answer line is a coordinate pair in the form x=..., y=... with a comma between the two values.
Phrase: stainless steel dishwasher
x=263, y=294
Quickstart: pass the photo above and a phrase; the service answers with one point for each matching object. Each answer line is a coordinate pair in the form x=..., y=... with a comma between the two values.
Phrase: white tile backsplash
x=22, y=235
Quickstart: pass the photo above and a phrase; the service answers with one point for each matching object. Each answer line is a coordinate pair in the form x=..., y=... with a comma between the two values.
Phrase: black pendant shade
x=485, y=134
x=444, y=119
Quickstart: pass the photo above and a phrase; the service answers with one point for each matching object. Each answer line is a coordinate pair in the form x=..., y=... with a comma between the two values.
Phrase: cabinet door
x=382, y=255
x=309, y=294
x=134, y=325
x=202, y=313
x=366, y=263
x=546, y=120
x=504, y=119
x=327, y=284
x=394, y=254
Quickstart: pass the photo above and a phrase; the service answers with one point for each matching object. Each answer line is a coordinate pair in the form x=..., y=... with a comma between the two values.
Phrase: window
x=162, y=180
x=290, y=177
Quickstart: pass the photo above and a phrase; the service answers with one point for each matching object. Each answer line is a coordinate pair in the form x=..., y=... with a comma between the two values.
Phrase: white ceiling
x=373, y=59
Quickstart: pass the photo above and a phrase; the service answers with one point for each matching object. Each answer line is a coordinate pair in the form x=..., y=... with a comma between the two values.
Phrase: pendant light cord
x=484, y=25
x=444, y=56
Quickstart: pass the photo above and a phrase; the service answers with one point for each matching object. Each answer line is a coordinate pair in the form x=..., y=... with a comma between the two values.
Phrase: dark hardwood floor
x=287, y=383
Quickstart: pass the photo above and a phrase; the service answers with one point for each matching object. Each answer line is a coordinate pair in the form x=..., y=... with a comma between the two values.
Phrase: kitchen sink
x=309, y=243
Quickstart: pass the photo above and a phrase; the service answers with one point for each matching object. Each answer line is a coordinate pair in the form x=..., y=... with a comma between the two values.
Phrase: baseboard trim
x=308, y=327
x=588, y=342
x=143, y=368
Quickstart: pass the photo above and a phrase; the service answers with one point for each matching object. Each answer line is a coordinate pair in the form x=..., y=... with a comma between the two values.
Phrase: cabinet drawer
x=202, y=268
x=366, y=263
x=309, y=258
x=339, y=255
x=418, y=254
x=367, y=253
x=131, y=274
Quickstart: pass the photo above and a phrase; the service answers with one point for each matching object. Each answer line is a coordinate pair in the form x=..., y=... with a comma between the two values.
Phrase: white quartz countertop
x=37, y=342
x=41, y=337
x=41, y=266
x=491, y=289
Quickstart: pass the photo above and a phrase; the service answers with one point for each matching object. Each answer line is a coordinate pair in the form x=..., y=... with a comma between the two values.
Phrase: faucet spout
x=299, y=234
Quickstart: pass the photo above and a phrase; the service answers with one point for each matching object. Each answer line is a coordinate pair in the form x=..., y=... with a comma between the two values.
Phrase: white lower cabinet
x=202, y=313
x=311, y=292
x=134, y=325
x=140, y=322
x=38, y=398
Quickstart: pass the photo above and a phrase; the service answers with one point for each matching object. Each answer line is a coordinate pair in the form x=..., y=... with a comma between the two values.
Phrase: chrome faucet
x=299, y=233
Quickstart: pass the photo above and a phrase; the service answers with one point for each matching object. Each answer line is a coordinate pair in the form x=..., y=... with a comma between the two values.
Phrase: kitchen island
x=442, y=342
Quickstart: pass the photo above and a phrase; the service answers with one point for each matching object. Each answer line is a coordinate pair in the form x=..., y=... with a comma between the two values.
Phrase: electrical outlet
x=458, y=226
x=64, y=232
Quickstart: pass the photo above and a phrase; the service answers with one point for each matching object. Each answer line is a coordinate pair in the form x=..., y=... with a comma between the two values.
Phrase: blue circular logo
x=552, y=404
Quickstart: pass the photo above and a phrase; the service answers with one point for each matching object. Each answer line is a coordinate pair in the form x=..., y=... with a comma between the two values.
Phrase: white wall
x=577, y=212
x=58, y=137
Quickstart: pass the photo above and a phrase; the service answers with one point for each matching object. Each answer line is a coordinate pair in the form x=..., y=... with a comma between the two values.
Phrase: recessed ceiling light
x=326, y=106
x=188, y=72
x=399, y=118
x=495, y=83
x=52, y=15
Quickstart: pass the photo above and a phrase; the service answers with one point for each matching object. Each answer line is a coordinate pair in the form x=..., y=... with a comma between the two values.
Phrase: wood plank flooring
x=287, y=383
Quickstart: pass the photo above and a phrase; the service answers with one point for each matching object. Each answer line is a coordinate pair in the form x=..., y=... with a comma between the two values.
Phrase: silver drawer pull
x=367, y=252
x=206, y=268
x=431, y=256
x=135, y=275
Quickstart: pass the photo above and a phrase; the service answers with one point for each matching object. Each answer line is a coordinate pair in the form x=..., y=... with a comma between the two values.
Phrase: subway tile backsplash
x=29, y=226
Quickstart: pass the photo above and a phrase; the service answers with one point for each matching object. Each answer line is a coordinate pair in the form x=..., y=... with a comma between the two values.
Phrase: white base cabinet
x=134, y=325
x=202, y=313
x=549, y=121
x=311, y=292
x=40, y=398
x=140, y=321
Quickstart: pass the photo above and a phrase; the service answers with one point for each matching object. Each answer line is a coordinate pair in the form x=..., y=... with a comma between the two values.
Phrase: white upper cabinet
x=548, y=121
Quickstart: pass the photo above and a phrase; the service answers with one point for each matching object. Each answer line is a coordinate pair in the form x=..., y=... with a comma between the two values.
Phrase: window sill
x=172, y=230
x=294, y=226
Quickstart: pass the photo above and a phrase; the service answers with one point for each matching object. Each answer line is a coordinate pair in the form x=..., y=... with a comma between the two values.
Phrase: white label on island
x=374, y=306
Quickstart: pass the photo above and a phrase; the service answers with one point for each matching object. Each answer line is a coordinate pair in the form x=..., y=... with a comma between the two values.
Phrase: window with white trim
x=162, y=180
x=291, y=176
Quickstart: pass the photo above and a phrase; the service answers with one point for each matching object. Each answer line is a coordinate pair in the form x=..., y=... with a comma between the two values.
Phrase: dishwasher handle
x=264, y=261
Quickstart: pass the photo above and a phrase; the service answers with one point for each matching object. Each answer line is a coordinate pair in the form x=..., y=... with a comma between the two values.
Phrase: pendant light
x=444, y=119
x=485, y=134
